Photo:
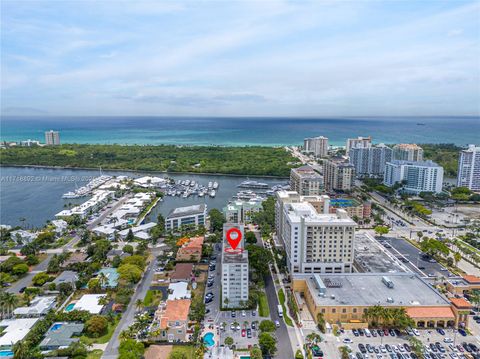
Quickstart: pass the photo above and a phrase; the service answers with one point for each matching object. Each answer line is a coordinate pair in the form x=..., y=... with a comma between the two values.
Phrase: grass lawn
x=186, y=350
x=103, y=339
x=281, y=297
x=263, y=309
x=95, y=354
x=152, y=298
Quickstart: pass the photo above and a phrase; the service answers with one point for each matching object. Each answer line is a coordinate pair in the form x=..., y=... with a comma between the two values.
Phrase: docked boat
x=253, y=184
x=215, y=185
x=212, y=193
x=210, y=184
x=71, y=195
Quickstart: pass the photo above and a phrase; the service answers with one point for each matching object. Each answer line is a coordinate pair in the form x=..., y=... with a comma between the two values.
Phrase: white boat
x=253, y=184
x=212, y=193
x=215, y=185
x=201, y=194
x=187, y=183
x=192, y=184
x=210, y=184
x=71, y=195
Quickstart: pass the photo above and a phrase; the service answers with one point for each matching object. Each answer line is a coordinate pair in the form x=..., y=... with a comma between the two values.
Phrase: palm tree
x=102, y=279
x=344, y=351
x=457, y=257
x=417, y=346
x=21, y=349
x=11, y=301
x=139, y=304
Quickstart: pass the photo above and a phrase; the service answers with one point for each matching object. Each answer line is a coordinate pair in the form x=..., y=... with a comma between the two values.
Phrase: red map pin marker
x=234, y=241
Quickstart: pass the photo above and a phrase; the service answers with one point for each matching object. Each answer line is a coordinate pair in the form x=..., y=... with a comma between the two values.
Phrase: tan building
x=191, y=250
x=305, y=181
x=344, y=298
x=338, y=174
x=316, y=145
x=361, y=142
x=463, y=285
x=408, y=152
x=171, y=321
x=353, y=207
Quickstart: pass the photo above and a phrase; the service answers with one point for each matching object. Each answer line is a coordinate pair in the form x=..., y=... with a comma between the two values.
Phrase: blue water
x=58, y=325
x=69, y=307
x=208, y=339
x=6, y=353
x=241, y=131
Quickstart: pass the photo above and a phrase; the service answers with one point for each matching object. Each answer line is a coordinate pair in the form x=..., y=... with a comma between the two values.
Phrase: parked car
x=362, y=348
x=462, y=332
x=440, y=331
x=355, y=332
x=347, y=340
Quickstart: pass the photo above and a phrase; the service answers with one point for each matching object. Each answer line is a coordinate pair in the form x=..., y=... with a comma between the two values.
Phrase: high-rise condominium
x=338, y=174
x=52, y=138
x=306, y=181
x=316, y=145
x=358, y=142
x=469, y=168
x=418, y=177
x=316, y=242
x=407, y=152
x=370, y=161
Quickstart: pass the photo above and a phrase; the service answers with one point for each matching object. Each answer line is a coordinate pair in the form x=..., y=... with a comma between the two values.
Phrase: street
x=27, y=280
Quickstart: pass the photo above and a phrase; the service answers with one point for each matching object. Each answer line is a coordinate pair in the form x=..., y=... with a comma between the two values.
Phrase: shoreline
x=142, y=171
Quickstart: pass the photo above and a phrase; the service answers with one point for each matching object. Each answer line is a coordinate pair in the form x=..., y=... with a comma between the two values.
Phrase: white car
x=447, y=340
x=416, y=332
x=244, y=314
x=347, y=340
x=382, y=349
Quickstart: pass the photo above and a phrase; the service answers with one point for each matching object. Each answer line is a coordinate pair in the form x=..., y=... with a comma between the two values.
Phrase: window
x=344, y=310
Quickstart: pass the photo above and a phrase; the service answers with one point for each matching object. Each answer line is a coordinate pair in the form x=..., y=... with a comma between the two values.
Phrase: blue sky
x=240, y=58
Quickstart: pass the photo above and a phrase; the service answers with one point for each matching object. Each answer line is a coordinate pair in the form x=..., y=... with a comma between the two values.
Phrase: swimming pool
x=56, y=326
x=208, y=339
x=6, y=353
x=69, y=307
x=245, y=357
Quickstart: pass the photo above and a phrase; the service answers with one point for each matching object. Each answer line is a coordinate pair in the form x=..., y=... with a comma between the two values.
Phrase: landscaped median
x=263, y=309
x=281, y=298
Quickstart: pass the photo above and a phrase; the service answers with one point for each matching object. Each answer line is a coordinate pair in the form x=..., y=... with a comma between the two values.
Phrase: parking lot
x=411, y=258
x=386, y=347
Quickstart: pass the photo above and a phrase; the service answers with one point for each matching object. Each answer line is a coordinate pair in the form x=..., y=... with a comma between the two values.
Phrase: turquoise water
x=241, y=131
x=58, y=325
x=69, y=307
x=341, y=202
x=208, y=339
x=6, y=353
x=244, y=357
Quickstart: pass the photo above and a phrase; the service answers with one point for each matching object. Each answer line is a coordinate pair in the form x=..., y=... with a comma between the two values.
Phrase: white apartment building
x=306, y=181
x=316, y=145
x=317, y=242
x=370, y=161
x=52, y=138
x=425, y=176
x=338, y=174
x=234, y=271
x=241, y=211
x=357, y=142
x=469, y=168
x=194, y=215
x=320, y=203
x=407, y=152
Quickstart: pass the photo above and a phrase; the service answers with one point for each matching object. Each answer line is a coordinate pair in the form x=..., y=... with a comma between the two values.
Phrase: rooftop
x=297, y=211
x=178, y=290
x=112, y=276
x=430, y=312
x=365, y=289
x=472, y=279
x=174, y=310
x=38, y=306
x=186, y=211
x=67, y=276
x=461, y=303
x=89, y=302
x=60, y=334
x=415, y=163
x=15, y=330
x=182, y=271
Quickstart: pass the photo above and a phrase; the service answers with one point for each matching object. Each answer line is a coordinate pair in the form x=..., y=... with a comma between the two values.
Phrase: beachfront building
x=38, y=307
x=52, y=138
x=316, y=145
x=171, y=321
x=191, y=249
x=417, y=177
x=191, y=216
x=241, y=211
x=407, y=152
x=370, y=161
x=357, y=142
x=316, y=242
x=60, y=226
x=60, y=335
x=305, y=181
x=338, y=174
x=343, y=298
x=469, y=168
x=13, y=331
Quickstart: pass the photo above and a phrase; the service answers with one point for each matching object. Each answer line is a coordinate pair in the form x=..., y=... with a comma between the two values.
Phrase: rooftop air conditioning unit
x=390, y=300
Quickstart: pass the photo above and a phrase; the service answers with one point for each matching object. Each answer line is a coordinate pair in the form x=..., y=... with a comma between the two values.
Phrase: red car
x=243, y=332
x=385, y=331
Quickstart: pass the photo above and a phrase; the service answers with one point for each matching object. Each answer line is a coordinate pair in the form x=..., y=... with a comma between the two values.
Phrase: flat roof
x=15, y=330
x=89, y=302
x=178, y=291
x=428, y=163
x=368, y=289
x=186, y=211
x=296, y=211
x=38, y=306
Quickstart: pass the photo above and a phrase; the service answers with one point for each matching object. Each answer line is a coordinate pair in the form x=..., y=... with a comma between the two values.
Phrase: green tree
x=321, y=323
x=20, y=269
x=250, y=238
x=267, y=344
x=228, y=341
x=298, y=354
x=130, y=273
x=217, y=219
x=40, y=279
x=255, y=353
x=130, y=237
x=96, y=326
x=131, y=349
x=128, y=249
x=344, y=352
x=381, y=230
x=417, y=346
x=267, y=326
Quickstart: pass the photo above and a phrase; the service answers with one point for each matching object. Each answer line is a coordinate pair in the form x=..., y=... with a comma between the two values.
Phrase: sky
x=240, y=58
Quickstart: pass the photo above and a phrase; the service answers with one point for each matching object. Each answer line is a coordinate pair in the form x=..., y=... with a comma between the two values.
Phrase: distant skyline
x=264, y=58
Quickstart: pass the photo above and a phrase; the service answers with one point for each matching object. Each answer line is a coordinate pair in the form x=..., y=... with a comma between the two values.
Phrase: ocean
x=35, y=194
x=241, y=131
